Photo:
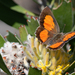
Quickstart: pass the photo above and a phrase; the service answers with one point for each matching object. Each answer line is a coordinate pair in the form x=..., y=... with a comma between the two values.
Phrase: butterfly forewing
x=48, y=26
x=46, y=16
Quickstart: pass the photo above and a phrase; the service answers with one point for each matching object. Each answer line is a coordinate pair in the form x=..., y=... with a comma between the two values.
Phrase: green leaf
x=73, y=29
x=51, y=3
x=63, y=15
x=2, y=41
x=19, y=40
x=11, y=37
x=12, y=17
x=3, y=66
x=70, y=69
x=12, y=5
x=34, y=71
x=23, y=33
x=33, y=24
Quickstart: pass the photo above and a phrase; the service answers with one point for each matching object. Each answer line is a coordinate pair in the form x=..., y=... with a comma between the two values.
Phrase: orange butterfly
x=49, y=33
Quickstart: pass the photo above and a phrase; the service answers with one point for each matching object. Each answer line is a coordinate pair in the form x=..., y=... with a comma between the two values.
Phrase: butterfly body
x=49, y=32
x=56, y=38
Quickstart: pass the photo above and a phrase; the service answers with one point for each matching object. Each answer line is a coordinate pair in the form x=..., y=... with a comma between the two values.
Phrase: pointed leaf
x=23, y=33
x=11, y=37
x=33, y=24
x=63, y=15
x=16, y=36
x=3, y=66
x=34, y=71
x=2, y=41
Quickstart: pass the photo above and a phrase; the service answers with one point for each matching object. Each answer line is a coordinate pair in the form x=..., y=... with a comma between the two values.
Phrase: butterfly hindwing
x=62, y=40
x=43, y=35
x=68, y=36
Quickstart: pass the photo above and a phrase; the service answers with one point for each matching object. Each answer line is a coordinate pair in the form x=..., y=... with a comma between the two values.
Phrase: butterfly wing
x=64, y=39
x=48, y=21
x=48, y=26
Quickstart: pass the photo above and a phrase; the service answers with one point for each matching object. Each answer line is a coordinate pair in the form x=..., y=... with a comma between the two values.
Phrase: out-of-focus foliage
x=13, y=14
x=34, y=71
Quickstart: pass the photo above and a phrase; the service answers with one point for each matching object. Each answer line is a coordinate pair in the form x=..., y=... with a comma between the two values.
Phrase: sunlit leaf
x=33, y=24
x=23, y=33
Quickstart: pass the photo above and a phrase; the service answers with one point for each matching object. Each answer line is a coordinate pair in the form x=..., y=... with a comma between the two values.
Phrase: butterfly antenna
x=63, y=27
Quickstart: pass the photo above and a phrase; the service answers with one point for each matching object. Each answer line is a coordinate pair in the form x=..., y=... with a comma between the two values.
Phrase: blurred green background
x=13, y=13
x=5, y=24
